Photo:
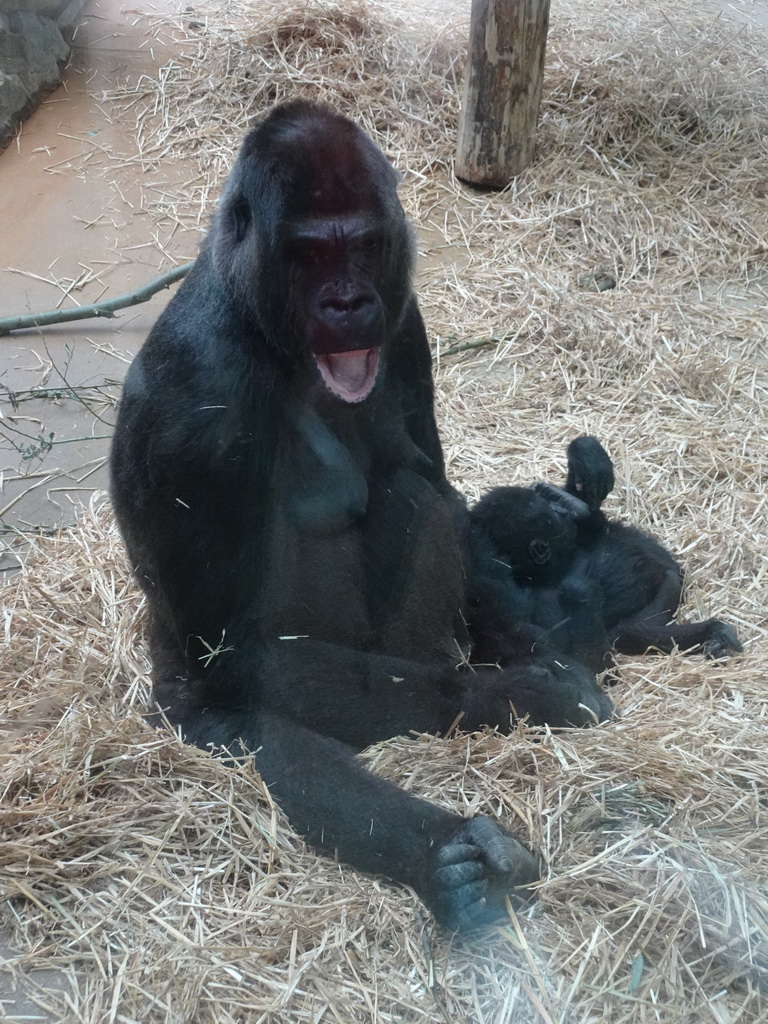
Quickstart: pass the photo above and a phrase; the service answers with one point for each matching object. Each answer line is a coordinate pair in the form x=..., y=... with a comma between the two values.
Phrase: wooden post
x=502, y=89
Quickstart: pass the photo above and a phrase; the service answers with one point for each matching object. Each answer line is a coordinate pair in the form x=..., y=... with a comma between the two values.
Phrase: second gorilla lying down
x=594, y=584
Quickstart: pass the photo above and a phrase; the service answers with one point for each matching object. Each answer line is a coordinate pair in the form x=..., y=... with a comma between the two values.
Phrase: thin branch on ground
x=470, y=343
x=98, y=309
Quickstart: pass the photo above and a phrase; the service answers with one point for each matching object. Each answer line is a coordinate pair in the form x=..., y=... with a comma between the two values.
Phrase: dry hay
x=165, y=887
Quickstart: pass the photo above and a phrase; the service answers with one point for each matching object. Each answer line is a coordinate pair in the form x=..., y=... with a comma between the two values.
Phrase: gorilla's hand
x=547, y=691
x=471, y=875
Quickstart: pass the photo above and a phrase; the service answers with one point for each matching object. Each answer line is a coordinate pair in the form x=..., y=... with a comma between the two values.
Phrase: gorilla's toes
x=595, y=707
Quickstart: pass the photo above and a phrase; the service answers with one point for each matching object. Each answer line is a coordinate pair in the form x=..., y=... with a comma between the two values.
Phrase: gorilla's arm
x=461, y=869
x=411, y=364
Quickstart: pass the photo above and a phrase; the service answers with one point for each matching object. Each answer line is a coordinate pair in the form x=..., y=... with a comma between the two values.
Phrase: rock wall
x=35, y=38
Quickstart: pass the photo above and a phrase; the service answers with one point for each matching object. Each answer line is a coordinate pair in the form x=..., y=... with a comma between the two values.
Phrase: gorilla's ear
x=241, y=217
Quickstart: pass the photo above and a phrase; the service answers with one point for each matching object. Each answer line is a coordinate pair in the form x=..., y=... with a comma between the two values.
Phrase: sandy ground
x=77, y=227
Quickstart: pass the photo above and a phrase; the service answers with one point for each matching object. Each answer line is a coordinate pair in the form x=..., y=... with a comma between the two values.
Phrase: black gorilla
x=595, y=585
x=279, y=482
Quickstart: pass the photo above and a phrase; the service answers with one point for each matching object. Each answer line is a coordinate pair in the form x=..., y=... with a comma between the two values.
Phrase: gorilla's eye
x=371, y=246
x=309, y=252
x=241, y=215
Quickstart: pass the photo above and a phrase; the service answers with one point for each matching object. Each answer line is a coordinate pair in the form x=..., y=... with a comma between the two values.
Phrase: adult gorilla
x=279, y=481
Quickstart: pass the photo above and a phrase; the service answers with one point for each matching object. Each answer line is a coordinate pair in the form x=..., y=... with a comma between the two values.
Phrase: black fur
x=595, y=585
x=308, y=568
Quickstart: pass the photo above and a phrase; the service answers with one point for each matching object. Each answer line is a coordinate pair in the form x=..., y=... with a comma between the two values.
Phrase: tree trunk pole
x=502, y=89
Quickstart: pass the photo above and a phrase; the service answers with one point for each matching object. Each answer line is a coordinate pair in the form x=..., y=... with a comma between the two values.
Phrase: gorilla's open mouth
x=349, y=375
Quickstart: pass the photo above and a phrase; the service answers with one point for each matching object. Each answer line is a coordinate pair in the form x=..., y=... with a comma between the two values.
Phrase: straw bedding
x=153, y=884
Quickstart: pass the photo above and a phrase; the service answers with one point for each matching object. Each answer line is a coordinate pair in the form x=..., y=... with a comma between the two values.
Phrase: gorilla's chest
x=363, y=551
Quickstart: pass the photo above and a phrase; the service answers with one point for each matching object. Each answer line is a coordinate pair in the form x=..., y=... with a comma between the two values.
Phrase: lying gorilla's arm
x=590, y=474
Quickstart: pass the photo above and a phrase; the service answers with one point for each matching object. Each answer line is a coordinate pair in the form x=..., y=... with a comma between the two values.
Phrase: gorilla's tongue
x=350, y=375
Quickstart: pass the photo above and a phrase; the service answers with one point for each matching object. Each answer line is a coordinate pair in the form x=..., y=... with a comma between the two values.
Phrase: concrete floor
x=75, y=229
